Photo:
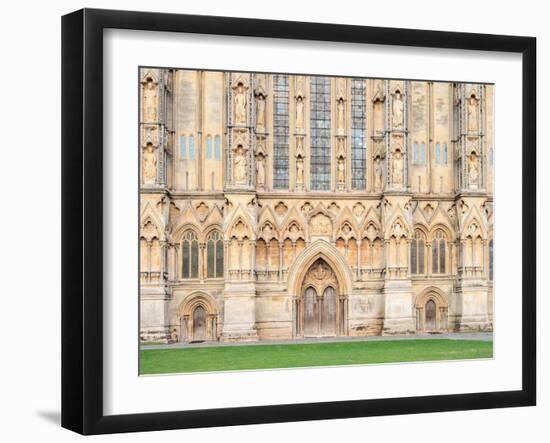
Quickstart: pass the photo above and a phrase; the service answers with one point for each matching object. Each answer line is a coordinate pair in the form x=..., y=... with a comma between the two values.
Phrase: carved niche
x=321, y=224
x=149, y=161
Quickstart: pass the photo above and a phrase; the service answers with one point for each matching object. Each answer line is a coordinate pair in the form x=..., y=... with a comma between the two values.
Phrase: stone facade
x=286, y=206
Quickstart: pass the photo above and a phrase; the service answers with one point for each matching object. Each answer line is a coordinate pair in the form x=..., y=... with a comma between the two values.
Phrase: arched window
x=358, y=133
x=444, y=153
x=418, y=245
x=183, y=150
x=280, y=131
x=423, y=154
x=190, y=255
x=439, y=247
x=214, y=255
x=320, y=120
x=415, y=153
x=491, y=259
x=191, y=147
x=437, y=153
x=218, y=148
x=208, y=147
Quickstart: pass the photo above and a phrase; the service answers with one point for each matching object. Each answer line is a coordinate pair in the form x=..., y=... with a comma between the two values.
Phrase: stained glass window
x=417, y=253
x=190, y=255
x=320, y=133
x=438, y=253
x=280, y=131
x=423, y=154
x=183, y=150
x=208, y=147
x=444, y=153
x=415, y=153
x=191, y=147
x=214, y=255
x=437, y=153
x=358, y=146
x=218, y=148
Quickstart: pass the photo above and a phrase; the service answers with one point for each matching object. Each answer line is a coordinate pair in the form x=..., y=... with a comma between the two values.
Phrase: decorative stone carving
x=299, y=114
x=306, y=207
x=397, y=109
x=150, y=100
x=397, y=168
x=340, y=108
x=473, y=170
x=149, y=164
x=378, y=174
x=300, y=172
x=260, y=171
x=281, y=208
x=239, y=166
x=240, y=104
x=260, y=112
x=321, y=224
x=358, y=209
x=472, y=114
x=341, y=173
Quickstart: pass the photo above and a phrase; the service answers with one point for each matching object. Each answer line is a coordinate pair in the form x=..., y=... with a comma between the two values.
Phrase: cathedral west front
x=277, y=206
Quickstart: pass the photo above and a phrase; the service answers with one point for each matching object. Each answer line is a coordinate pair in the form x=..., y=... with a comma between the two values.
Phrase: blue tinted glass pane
x=422, y=154
x=320, y=133
x=194, y=259
x=210, y=259
x=415, y=153
x=445, y=153
x=219, y=259
x=191, y=147
x=218, y=148
x=185, y=259
x=183, y=153
x=280, y=131
x=208, y=147
x=437, y=153
x=358, y=145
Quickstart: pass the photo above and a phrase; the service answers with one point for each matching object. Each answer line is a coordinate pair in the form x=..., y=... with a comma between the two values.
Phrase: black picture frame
x=82, y=218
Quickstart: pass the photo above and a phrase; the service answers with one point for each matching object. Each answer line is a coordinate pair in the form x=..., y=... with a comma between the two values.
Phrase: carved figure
x=341, y=176
x=472, y=114
x=378, y=174
x=240, y=105
x=239, y=166
x=260, y=111
x=150, y=101
x=149, y=163
x=397, y=110
x=300, y=171
x=260, y=171
x=397, y=168
x=299, y=113
x=473, y=169
x=341, y=115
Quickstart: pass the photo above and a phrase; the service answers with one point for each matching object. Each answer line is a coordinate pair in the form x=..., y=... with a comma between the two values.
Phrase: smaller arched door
x=199, y=323
x=430, y=310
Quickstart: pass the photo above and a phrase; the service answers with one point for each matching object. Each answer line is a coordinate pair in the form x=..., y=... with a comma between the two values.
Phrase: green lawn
x=226, y=358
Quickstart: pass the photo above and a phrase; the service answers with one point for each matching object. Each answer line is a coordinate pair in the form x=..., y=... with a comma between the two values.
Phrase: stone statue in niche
x=150, y=101
x=240, y=105
x=260, y=111
x=472, y=114
x=340, y=115
x=260, y=171
x=149, y=164
x=397, y=110
x=341, y=175
x=397, y=168
x=239, y=166
x=299, y=172
x=378, y=174
x=299, y=113
x=473, y=170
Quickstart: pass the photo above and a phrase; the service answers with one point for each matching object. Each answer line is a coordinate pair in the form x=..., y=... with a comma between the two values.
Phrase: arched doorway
x=198, y=315
x=432, y=311
x=199, y=323
x=430, y=315
x=319, y=309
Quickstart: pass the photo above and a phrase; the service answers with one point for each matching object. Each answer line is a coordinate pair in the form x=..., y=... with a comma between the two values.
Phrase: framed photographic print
x=271, y=221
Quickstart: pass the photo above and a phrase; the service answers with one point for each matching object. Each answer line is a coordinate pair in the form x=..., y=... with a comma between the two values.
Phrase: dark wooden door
x=199, y=324
x=311, y=326
x=328, y=317
x=430, y=315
